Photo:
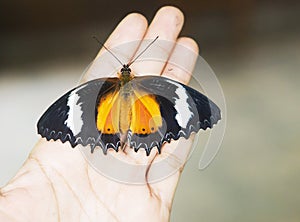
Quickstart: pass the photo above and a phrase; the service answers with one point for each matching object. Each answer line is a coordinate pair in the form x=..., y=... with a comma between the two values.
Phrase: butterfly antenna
x=142, y=52
x=100, y=43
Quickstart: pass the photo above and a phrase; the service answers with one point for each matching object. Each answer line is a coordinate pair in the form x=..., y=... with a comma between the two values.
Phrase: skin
x=56, y=183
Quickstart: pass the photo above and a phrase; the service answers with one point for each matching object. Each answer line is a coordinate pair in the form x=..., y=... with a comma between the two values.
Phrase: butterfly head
x=125, y=70
x=126, y=74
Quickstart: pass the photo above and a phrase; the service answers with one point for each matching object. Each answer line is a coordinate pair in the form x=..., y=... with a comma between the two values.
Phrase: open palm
x=56, y=183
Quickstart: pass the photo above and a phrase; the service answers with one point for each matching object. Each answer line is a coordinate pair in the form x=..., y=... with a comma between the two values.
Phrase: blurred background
x=254, y=49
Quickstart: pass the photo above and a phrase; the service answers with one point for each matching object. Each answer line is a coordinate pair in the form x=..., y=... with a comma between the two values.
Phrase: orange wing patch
x=145, y=115
x=108, y=113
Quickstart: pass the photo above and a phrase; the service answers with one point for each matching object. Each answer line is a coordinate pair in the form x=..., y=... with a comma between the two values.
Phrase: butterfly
x=135, y=111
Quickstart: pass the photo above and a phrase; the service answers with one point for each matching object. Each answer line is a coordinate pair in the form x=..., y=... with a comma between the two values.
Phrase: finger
x=180, y=67
x=182, y=61
x=166, y=24
x=131, y=29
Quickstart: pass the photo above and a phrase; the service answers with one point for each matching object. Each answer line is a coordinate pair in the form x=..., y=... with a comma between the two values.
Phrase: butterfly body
x=141, y=112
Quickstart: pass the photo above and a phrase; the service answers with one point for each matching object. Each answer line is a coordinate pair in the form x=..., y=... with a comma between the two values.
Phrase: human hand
x=56, y=183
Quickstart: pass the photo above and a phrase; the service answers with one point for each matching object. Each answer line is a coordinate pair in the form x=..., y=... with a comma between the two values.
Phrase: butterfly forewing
x=73, y=116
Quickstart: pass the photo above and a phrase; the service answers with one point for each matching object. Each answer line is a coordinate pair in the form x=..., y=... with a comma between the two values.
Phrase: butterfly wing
x=73, y=117
x=182, y=109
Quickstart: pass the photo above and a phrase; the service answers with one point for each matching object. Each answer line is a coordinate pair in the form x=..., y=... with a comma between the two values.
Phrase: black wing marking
x=72, y=117
x=183, y=109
